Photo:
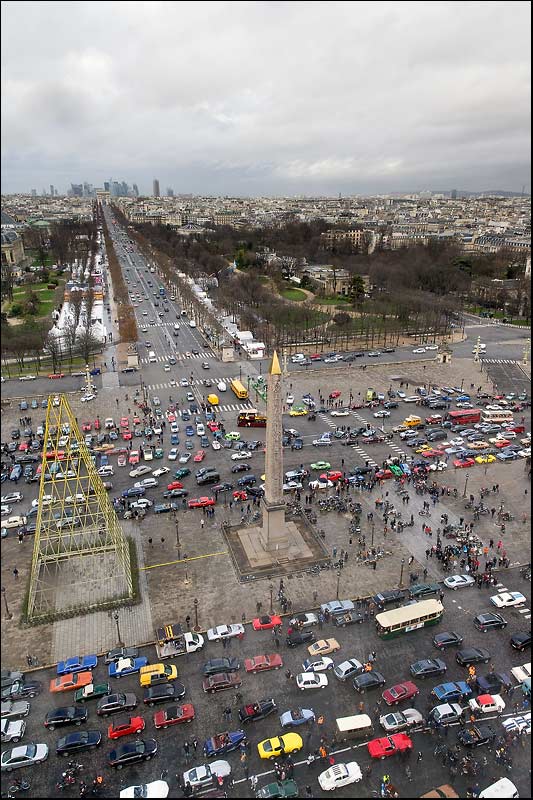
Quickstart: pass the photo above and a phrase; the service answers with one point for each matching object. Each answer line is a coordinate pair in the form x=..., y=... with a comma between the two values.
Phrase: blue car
x=451, y=692
x=223, y=743
x=126, y=666
x=297, y=716
x=174, y=438
x=15, y=473
x=406, y=469
x=189, y=430
x=77, y=664
x=506, y=455
x=134, y=491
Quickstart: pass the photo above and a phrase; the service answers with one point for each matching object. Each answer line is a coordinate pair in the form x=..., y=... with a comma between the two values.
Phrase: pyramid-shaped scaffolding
x=81, y=558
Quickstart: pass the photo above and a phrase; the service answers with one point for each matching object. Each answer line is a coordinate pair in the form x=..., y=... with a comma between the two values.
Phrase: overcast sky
x=250, y=98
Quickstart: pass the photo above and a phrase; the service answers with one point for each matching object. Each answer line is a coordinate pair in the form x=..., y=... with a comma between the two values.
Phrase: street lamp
x=240, y=371
x=401, y=572
x=178, y=543
x=338, y=583
x=271, y=589
x=9, y=615
x=466, y=484
x=116, y=618
x=196, y=626
x=372, y=541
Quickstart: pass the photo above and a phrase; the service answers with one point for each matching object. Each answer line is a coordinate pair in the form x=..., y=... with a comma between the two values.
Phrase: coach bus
x=251, y=418
x=497, y=416
x=238, y=389
x=409, y=618
x=466, y=416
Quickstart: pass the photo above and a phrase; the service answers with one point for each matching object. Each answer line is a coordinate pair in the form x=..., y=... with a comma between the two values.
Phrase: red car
x=23, y=446
x=97, y=424
x=399, y=692
x=57, y=455
x=124, y=726
x=136, y=420
x=432, y=453
x=174, y=715
x=266, y=623
x=174, y=485
x=213, y=426
x=72, y=680
x=332, y=476
x=388, y=745
x=262, y=663
x=201, y=502
x=121, y=462
x=124, y=422
x=55, y=375
x=199, y=456
x=240, y=495
x=127, y=435
x=383, y=474
x=170, y=417
x=315, y=357
x=334, y=394
x=86, y=427
x=463, y=463
x=502, y=443
x=134, y=457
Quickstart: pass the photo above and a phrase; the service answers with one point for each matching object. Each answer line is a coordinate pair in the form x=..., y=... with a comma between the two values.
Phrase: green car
x=233, y=436
x=321, y=465
x=279, y=789
x=182, y=472
x=158, y=452
x=92, y=692
x=396, y=470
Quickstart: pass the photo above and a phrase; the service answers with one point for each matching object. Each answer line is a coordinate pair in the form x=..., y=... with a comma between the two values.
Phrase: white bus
x=497, y=416
x=409, y=618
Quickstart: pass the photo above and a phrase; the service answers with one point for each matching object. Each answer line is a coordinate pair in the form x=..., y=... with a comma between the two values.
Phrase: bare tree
x=88, y=344
x=75, y=304
x=70, y=338
x=52, y=345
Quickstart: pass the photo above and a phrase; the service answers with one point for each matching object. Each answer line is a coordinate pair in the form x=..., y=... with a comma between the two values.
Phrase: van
x=153, y=674
x=212, y=399
x=412, y=421
x=502, y=788
x=152, y=357
x=356, y=727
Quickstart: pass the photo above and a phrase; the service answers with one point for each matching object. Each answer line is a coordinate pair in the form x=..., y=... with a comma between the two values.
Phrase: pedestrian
x=276, y=641
x=21, y=537
x=308, y=791
x=15, y=573
x=202, y=524
x=253, y=782
x=419, y=757
x=227, y=713
x=186, y=751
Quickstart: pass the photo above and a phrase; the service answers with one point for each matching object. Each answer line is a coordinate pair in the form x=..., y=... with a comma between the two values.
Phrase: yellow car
x=323, y=647
x=490, y=459
x=297, y=411
x=280, y=745
x=478, y=445
x=423, y=448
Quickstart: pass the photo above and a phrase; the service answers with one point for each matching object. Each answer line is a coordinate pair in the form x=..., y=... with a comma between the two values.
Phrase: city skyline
x=260, y=100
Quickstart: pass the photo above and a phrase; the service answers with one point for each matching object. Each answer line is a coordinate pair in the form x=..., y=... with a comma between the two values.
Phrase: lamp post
x=527, y=348
x=372, y=541
x=196, y=626
x=338, y=583
x=178, y=543
x=271, y=590
x=116, y=618
x=466, y=484
x=9, y=615
x=240, y=372
x=401, y=572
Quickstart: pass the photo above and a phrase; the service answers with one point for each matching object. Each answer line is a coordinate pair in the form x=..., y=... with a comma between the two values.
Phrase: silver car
x=12, y=731
x=23, y=756
x=347, y=669
x=13, y=709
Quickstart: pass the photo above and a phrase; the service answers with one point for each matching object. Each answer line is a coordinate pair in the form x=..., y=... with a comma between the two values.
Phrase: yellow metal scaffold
x=81, y=557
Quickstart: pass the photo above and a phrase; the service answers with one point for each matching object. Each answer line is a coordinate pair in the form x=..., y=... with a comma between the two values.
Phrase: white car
x=12, y=497
x=317, y=664
x=47, y=500
x=76, y=498
x=487, y=704
x=205, y=775
x=221, y=386
x=140, y=470
x=200, y=429
x=518, y=724
x=173, y=454
x=522, y=673
x=215, y=444
x=459, y=581
x=153, y=789
x=438, y=467
x=13, y=731
x=85, y=399
x=105, y=471
x=305, y=620
x=172, y=382
x=311, y=680
x=166, y=368
x=174, y=427
x=28, y=378
x=13, y=522
x=224, y=632
x=142, y=502
x=241, y=454
x=526, y=453
x=290, y=399
x=414, y=398
x=146, y=483
x=507, y=599
x=322, y=442
x=400, y=720
x=184, y=382
x=419, y=350
x=23, y=756
x=432, y=347
x=340, y=412
x=340, y=775
x=320, y=484
x=381, y=414
x=184, y=458
x=6, y=510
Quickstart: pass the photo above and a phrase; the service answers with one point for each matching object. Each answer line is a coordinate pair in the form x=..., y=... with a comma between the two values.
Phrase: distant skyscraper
x=76, y=190
x=34, y=192
x=155, y=190
x=106, y=186
x=51, y=190
x=170, y=192
x=454, y=194
x=135, y=190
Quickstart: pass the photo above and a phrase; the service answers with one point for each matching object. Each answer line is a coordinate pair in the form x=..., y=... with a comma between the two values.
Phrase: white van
x=503, y=788
x=152, y=357
x=297, y=357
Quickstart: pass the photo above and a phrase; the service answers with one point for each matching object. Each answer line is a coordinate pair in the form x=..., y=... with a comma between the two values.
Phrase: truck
x=172, y=642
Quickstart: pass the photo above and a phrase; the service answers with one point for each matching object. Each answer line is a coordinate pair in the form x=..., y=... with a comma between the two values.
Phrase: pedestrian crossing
x=204, y=355
x=500, y=361
x=358, y=449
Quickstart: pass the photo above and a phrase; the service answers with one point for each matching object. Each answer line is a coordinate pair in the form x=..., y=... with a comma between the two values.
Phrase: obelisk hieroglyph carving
x=274, y=530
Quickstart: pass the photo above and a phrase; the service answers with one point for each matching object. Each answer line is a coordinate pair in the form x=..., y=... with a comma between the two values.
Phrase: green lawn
x=43, y=294
x=332, y=300
x=293, y=294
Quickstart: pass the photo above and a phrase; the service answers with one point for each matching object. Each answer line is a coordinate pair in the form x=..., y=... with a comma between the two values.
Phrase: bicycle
x=19, y=786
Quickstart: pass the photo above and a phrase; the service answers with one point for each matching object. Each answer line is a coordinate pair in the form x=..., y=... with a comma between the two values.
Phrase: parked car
x=77, y=742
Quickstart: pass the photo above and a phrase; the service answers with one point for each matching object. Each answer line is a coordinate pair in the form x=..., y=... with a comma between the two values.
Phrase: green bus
x=409, y=618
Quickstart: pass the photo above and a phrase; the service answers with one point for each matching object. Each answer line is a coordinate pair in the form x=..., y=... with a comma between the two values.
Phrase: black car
x=521, y=640
x=76, y=742
x=489, y=621
x=19, y=690
x=388, y=349
x=368, y=680
x=390, y=404
x=300, y=637
x=420, y=590
x=241, y=467
x=257, y=710
x=216, y=665
x=121, y=652
x=222, y=487
x=248, y=480
x=447, y=639
x=66, y=715
x=132, y=752
x=476, y=735
x=163, y=693
x=383, y=599
x=427, y=667
x=493, y=682
x=115, y=703
x=255, y=491
x=472, y=655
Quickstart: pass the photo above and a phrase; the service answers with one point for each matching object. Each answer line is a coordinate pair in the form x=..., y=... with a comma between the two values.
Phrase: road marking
x=185, y=560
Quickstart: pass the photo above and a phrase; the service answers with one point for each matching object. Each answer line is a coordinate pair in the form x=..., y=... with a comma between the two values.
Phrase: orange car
x=71, y=681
